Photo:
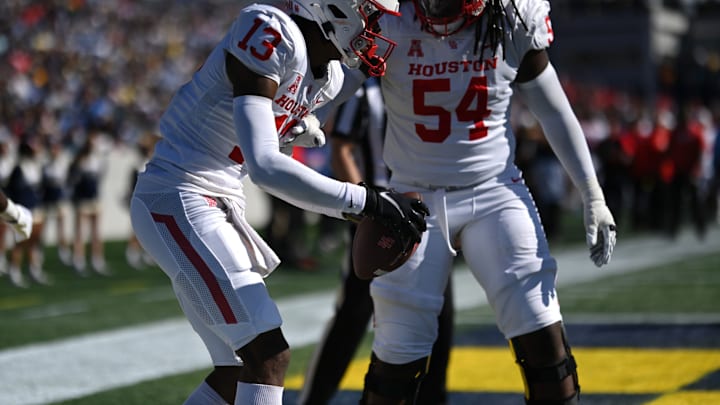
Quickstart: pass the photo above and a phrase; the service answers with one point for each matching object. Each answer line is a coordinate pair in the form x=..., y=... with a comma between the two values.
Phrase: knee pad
x=394, y=381
x=553, y=374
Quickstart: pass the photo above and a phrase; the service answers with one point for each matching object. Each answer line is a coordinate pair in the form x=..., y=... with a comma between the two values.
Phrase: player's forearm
x=547, y=100
x=281, y=175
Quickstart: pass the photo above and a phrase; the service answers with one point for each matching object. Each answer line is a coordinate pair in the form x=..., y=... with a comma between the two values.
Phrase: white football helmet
x=351, y=25
x=446, y=17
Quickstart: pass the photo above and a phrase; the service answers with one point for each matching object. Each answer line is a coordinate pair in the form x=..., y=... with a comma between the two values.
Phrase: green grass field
x=73, y=306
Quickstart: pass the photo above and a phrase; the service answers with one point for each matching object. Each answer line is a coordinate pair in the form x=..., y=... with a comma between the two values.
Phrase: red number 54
x=472, y=108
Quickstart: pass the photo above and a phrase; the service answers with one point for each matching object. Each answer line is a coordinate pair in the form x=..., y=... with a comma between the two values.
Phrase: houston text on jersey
x=419, y=69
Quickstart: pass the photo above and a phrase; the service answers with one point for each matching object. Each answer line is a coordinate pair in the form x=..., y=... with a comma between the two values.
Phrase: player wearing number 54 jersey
x=447, y=88
x=242, y=107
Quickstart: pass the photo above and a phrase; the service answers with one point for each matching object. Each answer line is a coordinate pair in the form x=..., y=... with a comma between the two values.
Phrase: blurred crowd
x=79, y=76
x=658, y=160
x=71, y=65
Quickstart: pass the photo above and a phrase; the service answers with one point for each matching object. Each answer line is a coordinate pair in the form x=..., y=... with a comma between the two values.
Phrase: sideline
x=83, y=365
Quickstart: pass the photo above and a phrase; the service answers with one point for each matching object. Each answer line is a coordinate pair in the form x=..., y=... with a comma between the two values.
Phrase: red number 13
x=268, y=45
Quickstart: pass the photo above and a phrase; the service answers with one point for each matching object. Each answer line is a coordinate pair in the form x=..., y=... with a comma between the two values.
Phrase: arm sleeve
x=282, y=175
x=546, y=99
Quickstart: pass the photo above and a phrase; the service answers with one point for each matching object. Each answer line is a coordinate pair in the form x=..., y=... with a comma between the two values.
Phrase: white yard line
x=83, y=365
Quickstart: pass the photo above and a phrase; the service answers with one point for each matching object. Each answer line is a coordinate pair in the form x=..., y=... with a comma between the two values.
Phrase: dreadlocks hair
x=497, y=19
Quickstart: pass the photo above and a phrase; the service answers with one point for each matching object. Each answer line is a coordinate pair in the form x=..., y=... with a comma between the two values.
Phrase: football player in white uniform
x=270, y=71
x=447, y=89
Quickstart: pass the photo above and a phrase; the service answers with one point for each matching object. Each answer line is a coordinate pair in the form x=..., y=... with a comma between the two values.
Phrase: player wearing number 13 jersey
x=447, y=88
x=259, y=84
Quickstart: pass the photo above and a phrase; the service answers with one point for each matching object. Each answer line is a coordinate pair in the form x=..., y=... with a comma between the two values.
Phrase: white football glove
x=307, y=134
x=20, y=218
x=601, y=232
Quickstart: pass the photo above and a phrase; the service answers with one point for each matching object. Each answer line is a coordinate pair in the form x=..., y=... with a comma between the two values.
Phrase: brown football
x=376, y=249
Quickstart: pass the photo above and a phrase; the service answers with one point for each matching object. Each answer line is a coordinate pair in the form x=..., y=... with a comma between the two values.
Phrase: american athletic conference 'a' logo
x=415, y=49
x=293, y=88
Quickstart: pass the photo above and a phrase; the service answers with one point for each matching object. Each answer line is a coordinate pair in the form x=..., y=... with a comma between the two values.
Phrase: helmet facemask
x=352, y=26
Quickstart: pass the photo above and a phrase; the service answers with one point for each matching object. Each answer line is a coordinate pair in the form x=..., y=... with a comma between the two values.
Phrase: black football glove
x=404, y=214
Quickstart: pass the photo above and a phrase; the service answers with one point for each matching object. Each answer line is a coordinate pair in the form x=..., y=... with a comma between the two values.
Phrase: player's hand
x=21, y=220
x=601, y=232
x=401, y=212
x=307, y=134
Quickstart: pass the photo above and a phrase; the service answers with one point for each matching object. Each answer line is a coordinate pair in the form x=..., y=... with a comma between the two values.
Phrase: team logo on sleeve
x=294, y=87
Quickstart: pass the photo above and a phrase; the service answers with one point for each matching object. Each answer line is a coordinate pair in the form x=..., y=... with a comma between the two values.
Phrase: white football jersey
x=471, y=140
x=199, y=147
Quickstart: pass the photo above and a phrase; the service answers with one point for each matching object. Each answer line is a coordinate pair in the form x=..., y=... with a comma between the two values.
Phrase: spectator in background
x=54, y=183
x=7, y=163
x=84, y=176
x=25, y=187
x=715, y=177
x=545, y=177
x=615, y=160
x=685, y=151
x=650, y=142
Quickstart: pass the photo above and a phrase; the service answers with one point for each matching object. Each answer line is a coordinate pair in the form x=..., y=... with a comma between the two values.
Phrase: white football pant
x=192, y=240
x=498, y=230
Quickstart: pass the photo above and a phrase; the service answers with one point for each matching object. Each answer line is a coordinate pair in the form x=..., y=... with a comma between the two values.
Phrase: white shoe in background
x=65, y=256
x=80, y=267
x=39, y=275
x=134, y=258
x=17, y=278
x=100, y=267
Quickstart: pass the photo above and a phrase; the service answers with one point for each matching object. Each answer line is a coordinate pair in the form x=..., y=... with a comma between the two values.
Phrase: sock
x=258, y=394
x=204, y=395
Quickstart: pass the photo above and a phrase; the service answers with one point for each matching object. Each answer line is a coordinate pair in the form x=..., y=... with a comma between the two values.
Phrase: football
x=376, y=249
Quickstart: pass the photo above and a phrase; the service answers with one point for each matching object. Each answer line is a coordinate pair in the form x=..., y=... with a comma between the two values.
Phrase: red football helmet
x=446, y=17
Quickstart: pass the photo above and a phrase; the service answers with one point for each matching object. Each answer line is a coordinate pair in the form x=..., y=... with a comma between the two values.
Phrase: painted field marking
x=688, y=398
x=82, y=365
x=602, y=370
